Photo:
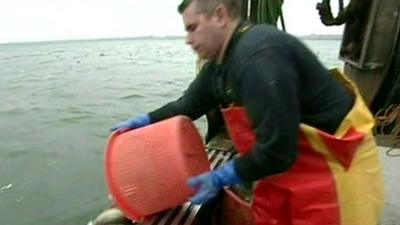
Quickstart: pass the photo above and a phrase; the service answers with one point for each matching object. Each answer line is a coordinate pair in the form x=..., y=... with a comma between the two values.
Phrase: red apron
x=336, y=179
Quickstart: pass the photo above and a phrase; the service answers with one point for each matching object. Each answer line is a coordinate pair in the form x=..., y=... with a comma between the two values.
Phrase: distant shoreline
x=321, y=37
x=99, y=39
x=303, y=37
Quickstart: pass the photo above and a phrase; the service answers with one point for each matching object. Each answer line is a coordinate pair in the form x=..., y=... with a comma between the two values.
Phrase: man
x=355, y=15
x=302, y=135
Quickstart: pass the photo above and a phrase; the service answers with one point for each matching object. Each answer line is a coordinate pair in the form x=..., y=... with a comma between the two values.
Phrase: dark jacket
x=279, y=82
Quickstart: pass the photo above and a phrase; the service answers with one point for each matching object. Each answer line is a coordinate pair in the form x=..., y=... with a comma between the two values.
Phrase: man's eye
x=191, y=28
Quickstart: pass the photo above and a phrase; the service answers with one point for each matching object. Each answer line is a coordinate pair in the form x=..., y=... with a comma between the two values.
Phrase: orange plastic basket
x=147, y=168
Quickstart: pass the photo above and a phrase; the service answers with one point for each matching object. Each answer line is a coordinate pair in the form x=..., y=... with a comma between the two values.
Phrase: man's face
x=204, y=34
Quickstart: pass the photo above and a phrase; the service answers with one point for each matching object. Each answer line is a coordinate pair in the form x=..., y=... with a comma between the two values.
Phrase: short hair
x=208, y=6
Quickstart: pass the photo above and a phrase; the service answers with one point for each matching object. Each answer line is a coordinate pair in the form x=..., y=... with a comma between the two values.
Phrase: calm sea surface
x=57, y=103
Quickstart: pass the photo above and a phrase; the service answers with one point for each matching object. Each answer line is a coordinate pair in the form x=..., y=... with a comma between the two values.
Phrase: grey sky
x=41, y=20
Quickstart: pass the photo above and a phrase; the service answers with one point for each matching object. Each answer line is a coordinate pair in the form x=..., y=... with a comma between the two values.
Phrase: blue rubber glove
x=140, y=121
x=210, y=183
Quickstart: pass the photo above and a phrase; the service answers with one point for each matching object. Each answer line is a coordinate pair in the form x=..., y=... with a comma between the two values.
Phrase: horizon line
x=314, y=36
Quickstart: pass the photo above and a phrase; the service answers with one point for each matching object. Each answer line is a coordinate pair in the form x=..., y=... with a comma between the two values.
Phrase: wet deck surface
x=392, y=184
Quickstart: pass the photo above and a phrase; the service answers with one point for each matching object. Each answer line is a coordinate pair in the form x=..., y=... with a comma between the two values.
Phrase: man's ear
x=221, y=15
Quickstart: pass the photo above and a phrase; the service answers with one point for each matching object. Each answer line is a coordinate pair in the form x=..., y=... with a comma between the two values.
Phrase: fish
x=112, y=216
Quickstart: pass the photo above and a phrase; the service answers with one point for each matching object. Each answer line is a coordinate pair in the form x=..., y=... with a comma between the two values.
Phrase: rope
x=341, y=5
x=393, y=151
x=388, y=123
x=282, y=20
x=266, y=11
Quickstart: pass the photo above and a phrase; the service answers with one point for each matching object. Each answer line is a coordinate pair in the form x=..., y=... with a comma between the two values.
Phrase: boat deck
x=391, y=169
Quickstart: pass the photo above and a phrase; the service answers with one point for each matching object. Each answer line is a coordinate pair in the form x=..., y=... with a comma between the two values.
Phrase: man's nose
x=189, y=39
